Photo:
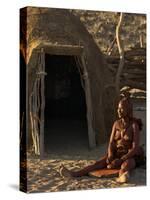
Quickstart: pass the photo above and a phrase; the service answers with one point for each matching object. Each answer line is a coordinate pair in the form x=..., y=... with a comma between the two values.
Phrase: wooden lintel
x=62, y=49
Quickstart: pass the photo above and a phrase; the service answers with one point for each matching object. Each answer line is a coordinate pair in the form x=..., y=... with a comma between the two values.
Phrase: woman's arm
x=111, y=143
x=135, y=143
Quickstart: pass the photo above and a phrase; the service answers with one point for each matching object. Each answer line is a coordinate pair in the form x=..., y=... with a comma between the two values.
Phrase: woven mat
x=105, y=173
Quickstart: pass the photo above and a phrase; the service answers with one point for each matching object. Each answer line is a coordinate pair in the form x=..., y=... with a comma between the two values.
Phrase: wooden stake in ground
x=121, y=53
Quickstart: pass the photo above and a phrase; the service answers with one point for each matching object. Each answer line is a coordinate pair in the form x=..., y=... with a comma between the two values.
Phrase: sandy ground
x=44, y=176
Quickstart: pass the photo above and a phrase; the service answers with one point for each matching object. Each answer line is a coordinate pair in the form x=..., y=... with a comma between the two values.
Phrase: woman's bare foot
x=123, y=178
x=109, y=166
x=65, y=172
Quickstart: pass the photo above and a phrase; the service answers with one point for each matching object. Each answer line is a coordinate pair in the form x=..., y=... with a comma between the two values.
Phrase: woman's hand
x=115, y=164
x=124, y=158
x=109, y=159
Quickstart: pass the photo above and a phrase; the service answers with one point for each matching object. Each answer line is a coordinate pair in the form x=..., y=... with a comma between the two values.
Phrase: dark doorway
x=65, y=107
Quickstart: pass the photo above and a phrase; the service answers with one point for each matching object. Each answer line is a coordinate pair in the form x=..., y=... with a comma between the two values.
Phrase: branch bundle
x=134, y=71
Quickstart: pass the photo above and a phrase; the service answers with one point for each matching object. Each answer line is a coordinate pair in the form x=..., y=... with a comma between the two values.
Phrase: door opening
x=65, y=128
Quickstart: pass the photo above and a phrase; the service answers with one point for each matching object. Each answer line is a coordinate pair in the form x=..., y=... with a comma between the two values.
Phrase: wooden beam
x=61, y=49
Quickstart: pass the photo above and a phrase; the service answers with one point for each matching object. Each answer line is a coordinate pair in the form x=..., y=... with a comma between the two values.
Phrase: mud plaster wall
x=99, y=75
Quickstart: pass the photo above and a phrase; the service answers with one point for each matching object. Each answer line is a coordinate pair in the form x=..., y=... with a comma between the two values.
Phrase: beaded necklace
x=124, y=127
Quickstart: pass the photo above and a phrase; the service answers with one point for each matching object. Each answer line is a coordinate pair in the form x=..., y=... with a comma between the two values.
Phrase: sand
x=44, y=176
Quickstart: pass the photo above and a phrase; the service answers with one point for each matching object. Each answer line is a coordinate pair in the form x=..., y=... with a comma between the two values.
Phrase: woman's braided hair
x=125, y=100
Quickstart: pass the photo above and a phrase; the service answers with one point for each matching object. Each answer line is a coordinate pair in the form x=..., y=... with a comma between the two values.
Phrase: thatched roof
x=59, y=29
x=53, y=26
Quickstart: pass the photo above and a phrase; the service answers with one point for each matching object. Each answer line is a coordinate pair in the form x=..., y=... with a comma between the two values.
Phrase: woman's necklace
x=123, y=127
x=122, y=132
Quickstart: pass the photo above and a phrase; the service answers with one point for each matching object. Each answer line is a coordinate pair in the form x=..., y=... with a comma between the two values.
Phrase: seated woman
x=124, y=152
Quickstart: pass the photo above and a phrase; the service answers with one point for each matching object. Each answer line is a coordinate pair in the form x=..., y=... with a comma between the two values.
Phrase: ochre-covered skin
x=123, y=149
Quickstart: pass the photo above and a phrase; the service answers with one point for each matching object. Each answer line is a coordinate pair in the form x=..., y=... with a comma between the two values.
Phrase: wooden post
x=42, y=74
x=141, y=40
x=91, y=133
x=121, y=52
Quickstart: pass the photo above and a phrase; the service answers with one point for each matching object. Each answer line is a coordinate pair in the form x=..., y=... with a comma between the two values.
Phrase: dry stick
x=110, y=49
x=36, y=121
x=42, y=98
x=121, y=52
x=37, y=111
x=33, y=107
x=36, y=117
x=37, y=129
x=38, y=87
x=21, y=128
x=37, y=114
x=38, y=97
x=132, y=67
x=31, y=119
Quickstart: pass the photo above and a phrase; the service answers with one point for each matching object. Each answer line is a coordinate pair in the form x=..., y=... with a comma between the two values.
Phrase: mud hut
x=69, y=91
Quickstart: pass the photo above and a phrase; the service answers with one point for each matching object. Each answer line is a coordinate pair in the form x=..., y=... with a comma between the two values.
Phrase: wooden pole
x=141, y=40
x=21, y=129
x=91, y=133
x=42, y=75
x=121, y=53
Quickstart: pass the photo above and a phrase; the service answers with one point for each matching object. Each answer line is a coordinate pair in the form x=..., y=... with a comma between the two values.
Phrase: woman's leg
x=97, y=165
x=126, y=167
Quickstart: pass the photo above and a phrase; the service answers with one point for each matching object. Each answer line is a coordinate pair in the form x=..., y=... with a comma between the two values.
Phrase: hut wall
x=60, y=27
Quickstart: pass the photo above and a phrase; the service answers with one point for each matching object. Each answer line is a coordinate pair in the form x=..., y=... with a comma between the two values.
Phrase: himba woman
x=124, y=152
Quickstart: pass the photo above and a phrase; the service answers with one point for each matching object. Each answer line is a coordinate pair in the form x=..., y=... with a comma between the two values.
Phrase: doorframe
x=71, y=51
